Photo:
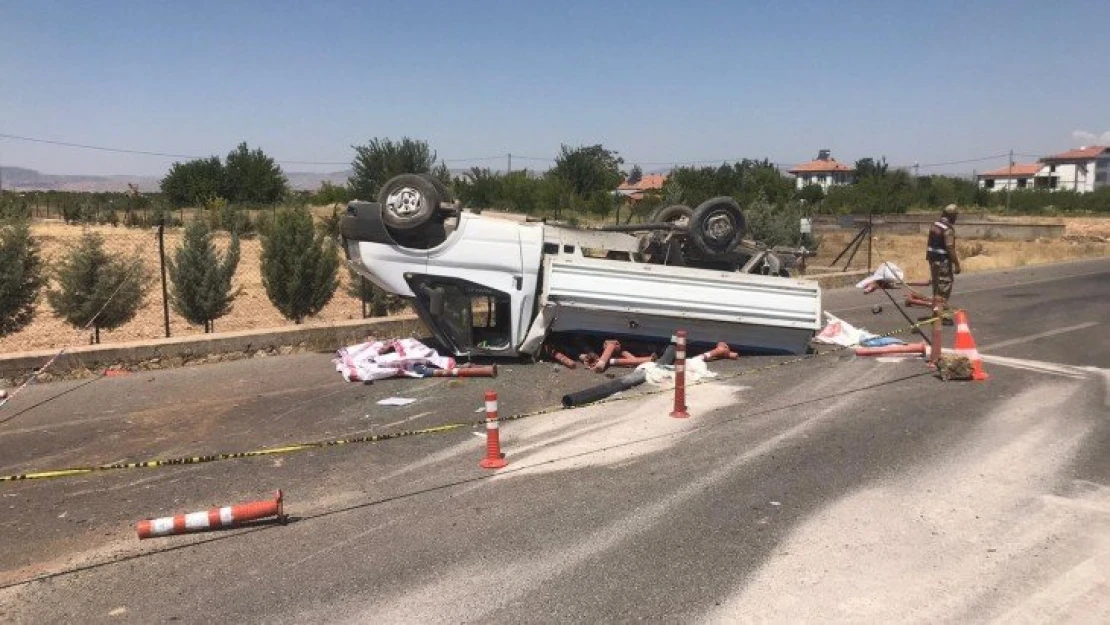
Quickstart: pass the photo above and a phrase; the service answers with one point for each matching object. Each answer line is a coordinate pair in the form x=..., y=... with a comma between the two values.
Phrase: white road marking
x=1042, y=335
x=1069, y=371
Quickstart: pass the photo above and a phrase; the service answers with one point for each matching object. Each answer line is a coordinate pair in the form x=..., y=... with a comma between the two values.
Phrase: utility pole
x=510, y=163
x=1009, y=179
x=915, y=174
x=162, y=261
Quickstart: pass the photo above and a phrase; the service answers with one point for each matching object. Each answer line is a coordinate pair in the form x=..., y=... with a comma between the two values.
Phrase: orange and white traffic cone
x=680, y=411
x=721, y=351
x=965, y=346
x=611, y=348
x=227, y=516
x=494, y=458
x=884, y=350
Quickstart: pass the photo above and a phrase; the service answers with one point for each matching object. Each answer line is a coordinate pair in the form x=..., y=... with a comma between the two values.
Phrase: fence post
x=162, y=262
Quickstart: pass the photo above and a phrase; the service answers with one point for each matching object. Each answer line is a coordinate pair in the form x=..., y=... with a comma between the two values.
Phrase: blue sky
x=660, y=82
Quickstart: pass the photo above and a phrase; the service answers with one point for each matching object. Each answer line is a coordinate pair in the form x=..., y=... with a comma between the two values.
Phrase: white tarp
x=660, y=375
x=378, y=360
x=840, y=332
x=887, y=272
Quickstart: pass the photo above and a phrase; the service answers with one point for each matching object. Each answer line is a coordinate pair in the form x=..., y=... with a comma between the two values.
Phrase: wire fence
x=252, y=308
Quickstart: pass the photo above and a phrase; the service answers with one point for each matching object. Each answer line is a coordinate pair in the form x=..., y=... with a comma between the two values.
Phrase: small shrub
x=970, y=249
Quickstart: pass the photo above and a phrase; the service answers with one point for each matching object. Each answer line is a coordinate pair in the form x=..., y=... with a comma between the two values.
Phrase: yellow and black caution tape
x=439, y=429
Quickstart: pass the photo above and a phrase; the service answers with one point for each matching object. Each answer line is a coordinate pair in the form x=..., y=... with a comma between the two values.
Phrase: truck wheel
x=717, y=226
x=408, y=201
x=678, y=214
x=444, y=191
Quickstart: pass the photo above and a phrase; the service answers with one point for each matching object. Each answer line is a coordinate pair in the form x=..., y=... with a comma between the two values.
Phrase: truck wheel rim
x=719, y=227
x=405, y=202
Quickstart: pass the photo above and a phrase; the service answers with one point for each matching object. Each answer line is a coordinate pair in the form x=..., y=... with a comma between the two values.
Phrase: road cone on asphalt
x=965, y=346
x=228, y=516
x=494, y=458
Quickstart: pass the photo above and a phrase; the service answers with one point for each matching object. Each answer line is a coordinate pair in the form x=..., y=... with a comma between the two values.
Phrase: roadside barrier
x=460, y=372
x=494, y=458
x=607, y=354
x=215, y=518
x=377, y=438
x=965, y=346
x=680, y=411
x=721, y=351
x=912, y=348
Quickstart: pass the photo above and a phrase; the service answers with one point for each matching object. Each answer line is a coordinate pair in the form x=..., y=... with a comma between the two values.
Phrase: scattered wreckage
x=510, y=286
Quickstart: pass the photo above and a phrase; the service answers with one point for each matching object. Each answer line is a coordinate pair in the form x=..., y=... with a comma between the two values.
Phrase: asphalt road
x=834, y=489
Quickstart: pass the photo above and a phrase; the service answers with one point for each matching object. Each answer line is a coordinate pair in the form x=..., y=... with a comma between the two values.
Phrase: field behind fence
x=252, y=309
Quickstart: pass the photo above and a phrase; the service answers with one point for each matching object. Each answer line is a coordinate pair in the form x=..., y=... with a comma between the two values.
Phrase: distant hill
x=22, y=179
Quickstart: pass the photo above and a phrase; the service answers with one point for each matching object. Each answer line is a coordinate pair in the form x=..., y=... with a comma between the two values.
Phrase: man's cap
x=950, y=209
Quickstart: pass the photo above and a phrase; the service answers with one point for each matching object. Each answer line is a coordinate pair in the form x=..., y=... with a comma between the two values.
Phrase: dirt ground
x=1085, y=237
x=252, y=309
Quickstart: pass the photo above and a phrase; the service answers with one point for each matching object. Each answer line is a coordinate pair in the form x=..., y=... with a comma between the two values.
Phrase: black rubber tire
x=717, y=226
x=445, y=194
x=425, y=196
x=671, y=214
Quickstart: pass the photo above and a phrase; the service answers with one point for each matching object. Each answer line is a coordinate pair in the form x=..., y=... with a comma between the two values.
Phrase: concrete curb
x=88, y=360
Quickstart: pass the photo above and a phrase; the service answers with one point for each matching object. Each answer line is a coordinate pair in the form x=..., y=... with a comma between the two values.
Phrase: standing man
x=943, y=261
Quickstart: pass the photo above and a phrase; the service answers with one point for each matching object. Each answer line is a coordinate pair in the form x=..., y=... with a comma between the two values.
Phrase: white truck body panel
x=489, y=264
x=613, y=298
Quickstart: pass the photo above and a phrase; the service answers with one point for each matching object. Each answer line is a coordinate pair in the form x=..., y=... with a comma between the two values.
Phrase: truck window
x=492, y=320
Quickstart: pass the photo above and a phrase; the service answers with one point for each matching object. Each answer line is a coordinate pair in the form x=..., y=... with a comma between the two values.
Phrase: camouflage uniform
x=942, y=237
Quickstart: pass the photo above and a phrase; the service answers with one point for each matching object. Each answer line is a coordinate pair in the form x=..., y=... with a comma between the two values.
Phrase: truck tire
x=717, y=226
x=678, y=214
x=444, y=191
x=408, y=201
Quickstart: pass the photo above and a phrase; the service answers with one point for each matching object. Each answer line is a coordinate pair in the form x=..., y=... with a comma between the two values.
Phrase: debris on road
x=379, y=360
x=396, y=401
x=887, y=276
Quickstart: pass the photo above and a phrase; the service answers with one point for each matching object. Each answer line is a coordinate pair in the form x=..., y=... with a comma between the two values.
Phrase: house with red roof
x=823, y=171
x=1083, y=170
x=1016, y=176
x=634, y=191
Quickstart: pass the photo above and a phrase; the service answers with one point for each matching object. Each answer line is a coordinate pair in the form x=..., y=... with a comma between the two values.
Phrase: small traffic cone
x=965, y=346
x=611, y=348
x=494, y=458
x=228, y=516
x=912, y=348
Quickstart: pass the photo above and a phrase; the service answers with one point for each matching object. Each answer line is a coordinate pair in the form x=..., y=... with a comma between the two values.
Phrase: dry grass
x=908, y=251
x=252, y=309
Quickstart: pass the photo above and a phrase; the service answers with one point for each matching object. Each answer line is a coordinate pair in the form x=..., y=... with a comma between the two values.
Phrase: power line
x=101, y=148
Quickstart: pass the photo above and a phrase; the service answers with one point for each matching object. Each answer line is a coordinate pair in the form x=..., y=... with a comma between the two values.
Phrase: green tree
x=201, y=277
x=871, y=168
x=96, y=289
x=635, y=175
x=192, y=182
x=329, y=193
x=377, y=302
x=381, y=159
x=299, y=265
x=21, y=276
x=810, y=194
x=252, y=177
x=588, y=169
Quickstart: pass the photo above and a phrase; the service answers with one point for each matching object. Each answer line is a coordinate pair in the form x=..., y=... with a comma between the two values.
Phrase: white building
x=824, y=171
x=1016, y=176
x=1082, y=170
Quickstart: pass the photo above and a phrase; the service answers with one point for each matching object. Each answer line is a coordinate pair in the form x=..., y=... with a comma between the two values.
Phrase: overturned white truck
x=499, y=286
